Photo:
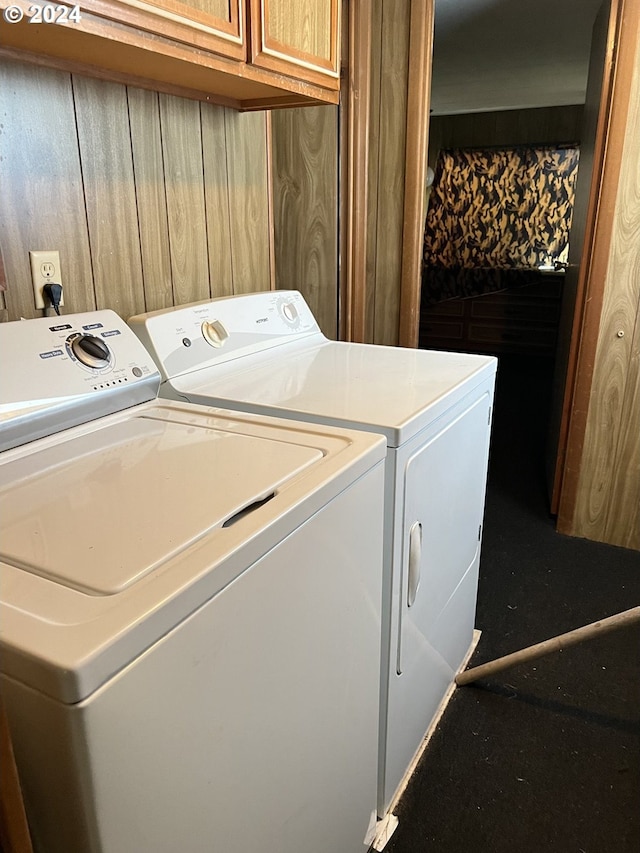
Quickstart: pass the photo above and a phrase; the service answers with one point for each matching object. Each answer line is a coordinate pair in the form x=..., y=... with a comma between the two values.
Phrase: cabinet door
x=215, y=25
x=299, y=39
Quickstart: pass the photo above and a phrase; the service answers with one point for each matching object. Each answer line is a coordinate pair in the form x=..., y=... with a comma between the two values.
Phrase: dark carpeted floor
x=544, y=757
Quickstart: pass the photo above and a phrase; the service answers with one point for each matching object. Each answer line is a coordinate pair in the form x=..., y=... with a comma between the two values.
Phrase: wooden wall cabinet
x=299, y=38
x=245, y=54
x=218, y=26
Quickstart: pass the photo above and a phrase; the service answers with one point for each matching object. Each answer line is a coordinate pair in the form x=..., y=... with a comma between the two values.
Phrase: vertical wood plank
x=435, y=139
x=148, y=169
x=107, y=169
x=305, y=208
x=623, y=512
x=345, y=300
x=270, y=210
x=182, y=151
x=530, y=126
x=41, y=203
x=483, y=128
x=463, y=126
x=622, y=524
x=216, y=192
x=357, y=166
x=417, y=127
x=248, y=200
x=393, y=110
x=373, y=188
x=567, y=122
x=609, y=481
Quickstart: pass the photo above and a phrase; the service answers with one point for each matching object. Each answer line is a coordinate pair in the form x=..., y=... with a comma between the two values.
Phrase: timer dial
x=290, y=312
x=91, y=351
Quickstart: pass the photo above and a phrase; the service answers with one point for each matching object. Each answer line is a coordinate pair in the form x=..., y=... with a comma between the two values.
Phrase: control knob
x=214, y=333
x=290, y=311
x=91, y=351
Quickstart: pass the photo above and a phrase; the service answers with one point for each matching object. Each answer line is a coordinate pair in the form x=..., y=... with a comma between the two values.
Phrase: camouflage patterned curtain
x=500, y=209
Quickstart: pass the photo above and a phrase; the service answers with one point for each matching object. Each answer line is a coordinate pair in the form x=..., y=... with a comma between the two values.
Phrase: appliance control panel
x=70, y=369
x=203, y=334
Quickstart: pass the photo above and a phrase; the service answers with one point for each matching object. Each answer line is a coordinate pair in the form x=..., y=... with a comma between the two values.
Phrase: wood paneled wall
x=305, y=151
x=387, y=136
x=305, y=208
x=607, y=504
x=505, y=127
x=151, y=200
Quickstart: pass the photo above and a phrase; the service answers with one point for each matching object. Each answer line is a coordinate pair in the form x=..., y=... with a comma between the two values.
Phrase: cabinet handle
x=415, y=555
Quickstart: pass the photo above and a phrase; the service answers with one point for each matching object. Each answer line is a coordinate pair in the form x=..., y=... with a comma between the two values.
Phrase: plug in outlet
x=45, y=269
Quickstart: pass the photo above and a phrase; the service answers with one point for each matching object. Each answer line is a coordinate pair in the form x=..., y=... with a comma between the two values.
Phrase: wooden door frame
x=354, y=156
x=624, y=23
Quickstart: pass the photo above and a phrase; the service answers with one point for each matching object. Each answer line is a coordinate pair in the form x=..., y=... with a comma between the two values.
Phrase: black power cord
x=53, y=292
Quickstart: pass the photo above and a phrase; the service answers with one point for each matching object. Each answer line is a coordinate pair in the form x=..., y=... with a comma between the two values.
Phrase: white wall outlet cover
x=45, y=269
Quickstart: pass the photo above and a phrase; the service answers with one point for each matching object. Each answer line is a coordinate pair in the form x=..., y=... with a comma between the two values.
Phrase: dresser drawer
x=514, y=336
x=527, y=310
x=441, y=329
x=521, y=319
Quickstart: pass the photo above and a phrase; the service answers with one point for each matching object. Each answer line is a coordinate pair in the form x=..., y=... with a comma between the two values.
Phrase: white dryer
x=264, y=352
x=190, y=608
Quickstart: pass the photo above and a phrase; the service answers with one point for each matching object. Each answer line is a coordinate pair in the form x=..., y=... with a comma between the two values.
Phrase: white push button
x=214, y=333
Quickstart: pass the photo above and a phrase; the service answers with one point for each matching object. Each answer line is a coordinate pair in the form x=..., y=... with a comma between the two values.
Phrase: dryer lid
x=391, y=390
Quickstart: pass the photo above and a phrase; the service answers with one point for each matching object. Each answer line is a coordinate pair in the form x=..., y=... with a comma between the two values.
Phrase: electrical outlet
x=45, y=269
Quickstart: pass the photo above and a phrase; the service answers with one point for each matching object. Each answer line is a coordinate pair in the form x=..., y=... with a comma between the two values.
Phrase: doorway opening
x=522, y=324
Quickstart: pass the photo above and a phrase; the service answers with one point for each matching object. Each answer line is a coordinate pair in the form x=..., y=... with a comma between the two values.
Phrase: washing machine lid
x=108, y=528
x=393, y=390
x=97, y=517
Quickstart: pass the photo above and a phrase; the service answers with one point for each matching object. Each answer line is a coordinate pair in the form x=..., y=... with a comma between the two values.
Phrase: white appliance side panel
x=437, y=543
x=253, y=725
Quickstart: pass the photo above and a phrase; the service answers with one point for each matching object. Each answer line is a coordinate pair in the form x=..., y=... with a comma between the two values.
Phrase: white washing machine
x=265, y=353
x=190, y=608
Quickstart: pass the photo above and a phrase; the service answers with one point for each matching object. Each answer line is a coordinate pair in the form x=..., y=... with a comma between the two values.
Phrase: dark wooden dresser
x=518, y=320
